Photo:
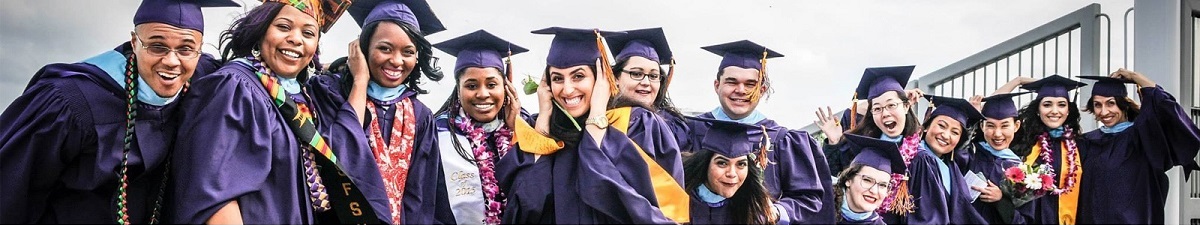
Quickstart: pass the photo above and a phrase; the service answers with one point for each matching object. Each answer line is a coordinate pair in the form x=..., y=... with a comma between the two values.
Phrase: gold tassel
x=608, y=74
x=508, y=70
x=903, y=203
x=928, y=111
x=754, y=96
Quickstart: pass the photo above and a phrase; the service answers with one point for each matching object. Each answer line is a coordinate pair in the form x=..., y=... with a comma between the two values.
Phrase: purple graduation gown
x=590, y=183
x=1124, y=179
x=798, y=176
x=61, y=146
x=234, y=145
x=992, y=167
x=709, y=213
x=934, y=204
x=420, y=187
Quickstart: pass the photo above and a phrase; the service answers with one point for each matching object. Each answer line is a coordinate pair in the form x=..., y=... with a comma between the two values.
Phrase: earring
x=255, y=52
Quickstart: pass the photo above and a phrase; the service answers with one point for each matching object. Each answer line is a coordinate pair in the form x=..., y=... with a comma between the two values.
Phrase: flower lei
x=486, y=161
x=908, y=150
x=1072, y=154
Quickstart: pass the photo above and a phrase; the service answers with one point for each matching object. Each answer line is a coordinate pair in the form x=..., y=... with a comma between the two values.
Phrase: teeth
x=485, y=107
x=168, y=76
x=290, y=53
x=573, y=101
x=393, y=73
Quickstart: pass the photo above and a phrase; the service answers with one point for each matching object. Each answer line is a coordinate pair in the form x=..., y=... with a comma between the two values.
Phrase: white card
x=976, y=180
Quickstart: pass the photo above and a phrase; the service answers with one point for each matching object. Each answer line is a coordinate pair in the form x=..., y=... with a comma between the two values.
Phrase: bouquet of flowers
x=1026, y=183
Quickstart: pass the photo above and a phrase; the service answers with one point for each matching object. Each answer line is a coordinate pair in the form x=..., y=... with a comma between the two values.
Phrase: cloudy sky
x=827, y=43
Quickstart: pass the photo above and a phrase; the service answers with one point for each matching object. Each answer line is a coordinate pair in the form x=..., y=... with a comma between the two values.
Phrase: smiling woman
x=252, y=149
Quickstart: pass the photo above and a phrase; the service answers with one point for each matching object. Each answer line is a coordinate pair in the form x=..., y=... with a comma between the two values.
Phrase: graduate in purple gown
x=993, y=155
x=256, y=145
x=475, y=128
x=1128, y=156
x=935, y=185
x=889, y=113
x=87, y=142
x=381, y=83
x=725, y=177
x=864, y=185
x=582, y=171
x=642, y=82
x=1050, y=130
x=798, y=178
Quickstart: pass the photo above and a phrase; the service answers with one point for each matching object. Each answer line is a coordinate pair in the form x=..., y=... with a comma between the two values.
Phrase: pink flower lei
x=494, y=200
x=908, y=150
x=1072, y=154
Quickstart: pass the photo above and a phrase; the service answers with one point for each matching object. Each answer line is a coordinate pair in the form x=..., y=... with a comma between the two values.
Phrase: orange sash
x=1067, y=202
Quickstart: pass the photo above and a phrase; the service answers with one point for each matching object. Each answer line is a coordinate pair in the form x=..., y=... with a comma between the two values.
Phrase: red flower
x=1047, y=182
x=1014, y=174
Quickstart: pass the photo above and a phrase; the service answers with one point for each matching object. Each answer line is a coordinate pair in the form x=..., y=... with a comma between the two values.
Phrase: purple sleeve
x=802, y=179
x=41, y=131
x=224, y=148
x=1165, y=133
x=614, y=181
x=926, y=191
x=656, y=138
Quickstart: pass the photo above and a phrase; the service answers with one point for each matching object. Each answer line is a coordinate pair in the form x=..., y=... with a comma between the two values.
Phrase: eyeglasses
x=870, y=184
x=888, y=107
x=160, y=51
x=638, y=76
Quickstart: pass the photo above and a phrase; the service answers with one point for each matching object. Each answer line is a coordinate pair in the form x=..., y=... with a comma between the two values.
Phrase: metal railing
x=1068, y=46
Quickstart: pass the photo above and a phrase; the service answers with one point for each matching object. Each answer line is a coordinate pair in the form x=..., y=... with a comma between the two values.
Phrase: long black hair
x=661, y=102
x=426, y=62
x=1032, y=126
x=750, y=203
x=867, y=127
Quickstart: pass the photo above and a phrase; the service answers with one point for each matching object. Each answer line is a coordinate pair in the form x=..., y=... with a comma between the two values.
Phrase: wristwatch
x=600, y=121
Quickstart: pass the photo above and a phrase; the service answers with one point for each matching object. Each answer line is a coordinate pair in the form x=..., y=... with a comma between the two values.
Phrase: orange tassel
x=764, y=147
x=903, y=203
x=608, y=74
x=853, y=110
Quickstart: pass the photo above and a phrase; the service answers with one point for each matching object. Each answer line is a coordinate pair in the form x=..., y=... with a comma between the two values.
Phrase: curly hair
x=1032, y=125
x=1126, y=105
x=245, y=35
x=426, y=62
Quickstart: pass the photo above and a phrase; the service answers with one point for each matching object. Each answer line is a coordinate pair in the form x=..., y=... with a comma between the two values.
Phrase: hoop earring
x=254, y=52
